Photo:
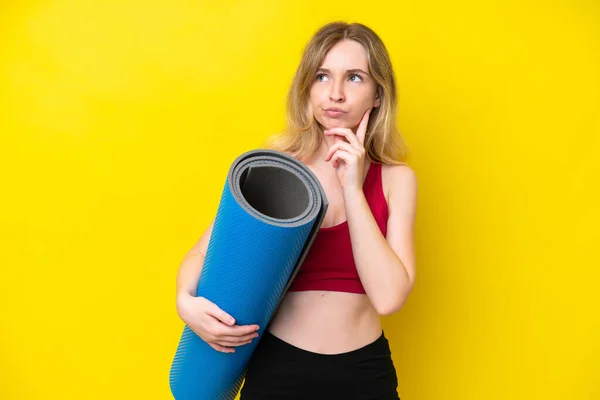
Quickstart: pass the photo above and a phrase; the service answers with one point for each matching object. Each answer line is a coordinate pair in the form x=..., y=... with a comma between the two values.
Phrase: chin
x=332, y=123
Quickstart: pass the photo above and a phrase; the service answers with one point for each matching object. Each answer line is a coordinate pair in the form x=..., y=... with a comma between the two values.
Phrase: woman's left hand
x=351, y=153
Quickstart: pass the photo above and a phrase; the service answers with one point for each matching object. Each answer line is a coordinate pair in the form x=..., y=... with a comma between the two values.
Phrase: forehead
x=346, y=54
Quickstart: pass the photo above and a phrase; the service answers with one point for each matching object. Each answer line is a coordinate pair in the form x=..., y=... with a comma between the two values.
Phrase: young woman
x=326, y=340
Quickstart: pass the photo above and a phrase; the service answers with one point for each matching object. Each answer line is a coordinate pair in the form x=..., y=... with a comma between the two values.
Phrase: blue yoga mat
x=270, y=211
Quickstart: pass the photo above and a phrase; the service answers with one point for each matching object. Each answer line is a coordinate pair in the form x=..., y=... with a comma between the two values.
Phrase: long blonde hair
x=302, y=136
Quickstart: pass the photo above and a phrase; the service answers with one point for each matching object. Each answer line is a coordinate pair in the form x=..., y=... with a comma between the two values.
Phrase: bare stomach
x=326, y=322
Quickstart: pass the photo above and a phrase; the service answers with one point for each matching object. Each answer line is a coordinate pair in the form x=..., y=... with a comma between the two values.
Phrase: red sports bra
x=329, y=263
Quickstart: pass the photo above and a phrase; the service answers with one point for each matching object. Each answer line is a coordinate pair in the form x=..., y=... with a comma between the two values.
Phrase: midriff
x=326, y=322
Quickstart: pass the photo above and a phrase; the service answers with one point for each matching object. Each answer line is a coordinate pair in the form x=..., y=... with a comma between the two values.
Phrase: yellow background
x=119, y=120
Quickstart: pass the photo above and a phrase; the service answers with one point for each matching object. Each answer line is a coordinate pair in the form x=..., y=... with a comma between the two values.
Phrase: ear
x=377, y=101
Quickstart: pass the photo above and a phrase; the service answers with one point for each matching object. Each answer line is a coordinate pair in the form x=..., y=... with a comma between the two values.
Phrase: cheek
x=313, y=102
x=316, y=101
x=316, y=95
x=364, y=96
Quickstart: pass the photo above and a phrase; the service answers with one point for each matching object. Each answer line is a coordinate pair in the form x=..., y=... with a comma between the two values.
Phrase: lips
x=334, y=112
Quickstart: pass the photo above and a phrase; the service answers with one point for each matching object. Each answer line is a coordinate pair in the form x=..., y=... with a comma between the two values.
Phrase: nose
x=336, y=93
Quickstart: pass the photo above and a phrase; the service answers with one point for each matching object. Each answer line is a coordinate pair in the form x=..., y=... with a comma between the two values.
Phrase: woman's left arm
x=386, y=266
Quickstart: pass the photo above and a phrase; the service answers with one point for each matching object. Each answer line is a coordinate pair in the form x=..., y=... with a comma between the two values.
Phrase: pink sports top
x=329, y=263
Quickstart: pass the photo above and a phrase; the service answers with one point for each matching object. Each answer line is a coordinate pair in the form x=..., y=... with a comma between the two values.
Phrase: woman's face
x=343, y=90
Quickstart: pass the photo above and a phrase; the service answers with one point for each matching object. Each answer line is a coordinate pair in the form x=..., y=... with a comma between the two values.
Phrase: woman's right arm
x=204, y=317
x=191, y=266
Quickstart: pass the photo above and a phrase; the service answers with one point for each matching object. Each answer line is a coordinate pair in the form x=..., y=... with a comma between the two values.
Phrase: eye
x=357, y=76
x=319, y=77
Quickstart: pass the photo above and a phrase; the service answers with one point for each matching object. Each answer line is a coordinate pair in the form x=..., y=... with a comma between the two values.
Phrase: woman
x=326, y=340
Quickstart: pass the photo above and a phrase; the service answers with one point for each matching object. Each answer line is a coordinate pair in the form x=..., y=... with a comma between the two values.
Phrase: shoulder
x=399, y=182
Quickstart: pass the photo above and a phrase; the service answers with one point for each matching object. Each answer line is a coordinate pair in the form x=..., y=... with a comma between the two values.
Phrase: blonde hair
x=302, y=137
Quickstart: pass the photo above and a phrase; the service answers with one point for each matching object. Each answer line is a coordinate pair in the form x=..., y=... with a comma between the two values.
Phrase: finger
x=341, y=134
x=342, y=145
x=335, y=160
x=344, y=133
x=239, y=338
x=346, y=157
x=361, y=132
x=221, y=315
x=220, y=330
x=227, y=343
x=331, y=151
x=222, y=349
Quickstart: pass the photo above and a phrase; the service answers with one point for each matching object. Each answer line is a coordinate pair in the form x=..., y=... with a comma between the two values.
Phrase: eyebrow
x=354, y=70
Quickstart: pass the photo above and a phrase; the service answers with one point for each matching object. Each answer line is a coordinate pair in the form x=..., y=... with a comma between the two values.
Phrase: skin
x=343, y=82
x=325, y=321
x=330, y=322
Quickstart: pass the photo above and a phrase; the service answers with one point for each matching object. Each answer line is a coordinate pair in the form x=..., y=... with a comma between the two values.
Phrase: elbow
x=389, y=308
x=392, y=304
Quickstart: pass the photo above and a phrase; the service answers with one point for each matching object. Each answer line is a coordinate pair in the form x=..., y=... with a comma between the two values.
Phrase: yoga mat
x=270, y=211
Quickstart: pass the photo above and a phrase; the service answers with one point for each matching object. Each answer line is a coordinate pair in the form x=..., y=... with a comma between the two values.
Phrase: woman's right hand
x=213, y=325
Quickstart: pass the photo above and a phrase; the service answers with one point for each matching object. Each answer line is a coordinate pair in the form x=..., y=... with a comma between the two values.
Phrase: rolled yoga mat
x=270, y=211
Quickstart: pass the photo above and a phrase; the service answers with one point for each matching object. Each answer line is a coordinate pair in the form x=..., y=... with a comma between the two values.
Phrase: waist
x=326, y=322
